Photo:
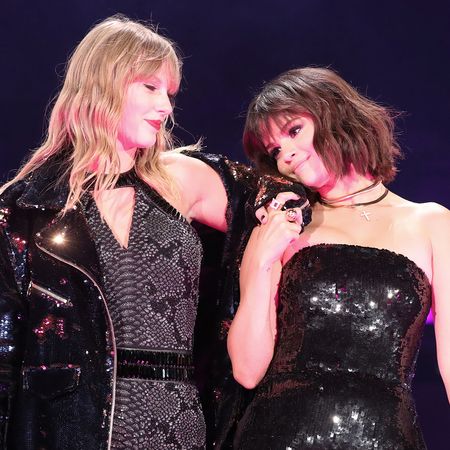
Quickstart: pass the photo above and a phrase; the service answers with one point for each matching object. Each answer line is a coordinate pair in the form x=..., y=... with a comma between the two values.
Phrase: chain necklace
x=331, y=202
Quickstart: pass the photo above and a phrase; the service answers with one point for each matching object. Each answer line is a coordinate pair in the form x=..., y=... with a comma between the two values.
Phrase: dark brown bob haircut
x=349, y=128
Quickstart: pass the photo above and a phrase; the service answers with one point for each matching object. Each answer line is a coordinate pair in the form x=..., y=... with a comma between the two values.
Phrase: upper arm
x=202, y=188
x=275, y=282
x=211, y=205
x=438, y=224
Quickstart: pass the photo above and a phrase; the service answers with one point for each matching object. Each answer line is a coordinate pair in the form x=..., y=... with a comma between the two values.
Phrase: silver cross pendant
x=366, y=215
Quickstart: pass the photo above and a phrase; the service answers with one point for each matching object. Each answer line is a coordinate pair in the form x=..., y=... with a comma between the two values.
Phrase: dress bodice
x=152, y=285
x=351, y=309
x=350, y=321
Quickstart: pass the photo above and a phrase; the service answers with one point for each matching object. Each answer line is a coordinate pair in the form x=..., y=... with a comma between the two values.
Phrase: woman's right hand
x=279, y=228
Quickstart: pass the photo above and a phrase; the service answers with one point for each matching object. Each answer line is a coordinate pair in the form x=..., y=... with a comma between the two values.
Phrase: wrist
x=265, y=266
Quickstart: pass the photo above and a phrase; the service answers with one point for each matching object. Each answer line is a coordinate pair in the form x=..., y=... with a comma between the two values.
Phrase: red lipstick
x=155, y=124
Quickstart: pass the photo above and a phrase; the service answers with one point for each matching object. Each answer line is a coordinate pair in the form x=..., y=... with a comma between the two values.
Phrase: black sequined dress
x=349, y=328
x=151, y=289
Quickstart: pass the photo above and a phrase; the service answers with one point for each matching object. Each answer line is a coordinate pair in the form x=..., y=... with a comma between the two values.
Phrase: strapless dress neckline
x=379, y=250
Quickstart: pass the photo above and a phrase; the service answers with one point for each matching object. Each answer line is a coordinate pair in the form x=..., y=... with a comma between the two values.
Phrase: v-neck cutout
x=128, y=220
x=130, y=179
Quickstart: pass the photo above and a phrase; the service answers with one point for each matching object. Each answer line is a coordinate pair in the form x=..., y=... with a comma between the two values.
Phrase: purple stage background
x=397, y=52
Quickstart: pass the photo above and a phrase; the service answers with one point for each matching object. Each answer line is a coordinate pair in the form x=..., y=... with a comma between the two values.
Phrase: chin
x=292, y=176
x=301, y=180
x=312, y=184
x=313, y=181
x=146, y=143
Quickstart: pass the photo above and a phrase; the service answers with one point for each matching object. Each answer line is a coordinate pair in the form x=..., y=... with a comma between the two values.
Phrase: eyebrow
x=286, y=124
x=172, y=88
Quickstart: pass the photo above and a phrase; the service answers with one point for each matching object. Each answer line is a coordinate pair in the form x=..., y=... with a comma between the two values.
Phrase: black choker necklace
x=331, y=203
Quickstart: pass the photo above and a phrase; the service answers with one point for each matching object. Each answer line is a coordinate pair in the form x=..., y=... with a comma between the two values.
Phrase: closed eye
x=274, y=152
x=150, y=87
x=294, y=131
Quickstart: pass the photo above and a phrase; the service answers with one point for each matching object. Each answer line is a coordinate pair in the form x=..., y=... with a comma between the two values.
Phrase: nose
x=165, y=105
x=288, y=153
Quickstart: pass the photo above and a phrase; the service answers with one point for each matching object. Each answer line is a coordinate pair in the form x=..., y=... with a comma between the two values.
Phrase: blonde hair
x=87, y=111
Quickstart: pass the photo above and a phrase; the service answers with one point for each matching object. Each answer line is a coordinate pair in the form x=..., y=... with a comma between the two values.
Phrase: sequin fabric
x=349, y=328
x=152, y=292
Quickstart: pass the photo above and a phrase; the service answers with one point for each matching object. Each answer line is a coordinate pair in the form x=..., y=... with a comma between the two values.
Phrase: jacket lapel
x=68, y=239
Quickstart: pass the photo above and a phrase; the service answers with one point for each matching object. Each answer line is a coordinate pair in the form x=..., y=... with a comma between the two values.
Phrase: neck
x=126, y=158
x=126, y=162
x=347, y=185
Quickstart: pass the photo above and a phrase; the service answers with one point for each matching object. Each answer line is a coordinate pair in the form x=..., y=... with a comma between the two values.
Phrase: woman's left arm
x=438, y=224
x=219, y=190
x=208, y=194
x=202, y=191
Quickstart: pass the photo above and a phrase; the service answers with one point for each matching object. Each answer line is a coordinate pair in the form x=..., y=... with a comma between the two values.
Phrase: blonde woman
x=100, y=265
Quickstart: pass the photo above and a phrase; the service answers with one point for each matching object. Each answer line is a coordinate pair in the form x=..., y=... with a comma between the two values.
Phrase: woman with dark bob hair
x=330, y=321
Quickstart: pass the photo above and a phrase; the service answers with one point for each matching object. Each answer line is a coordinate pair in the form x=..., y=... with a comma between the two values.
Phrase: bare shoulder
x=182, y=166
x=176, y=157
x=431, y=216
x=436, y=219
x=421, y=211
x=425, y=219
x=174, y=160
x=431, y=211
